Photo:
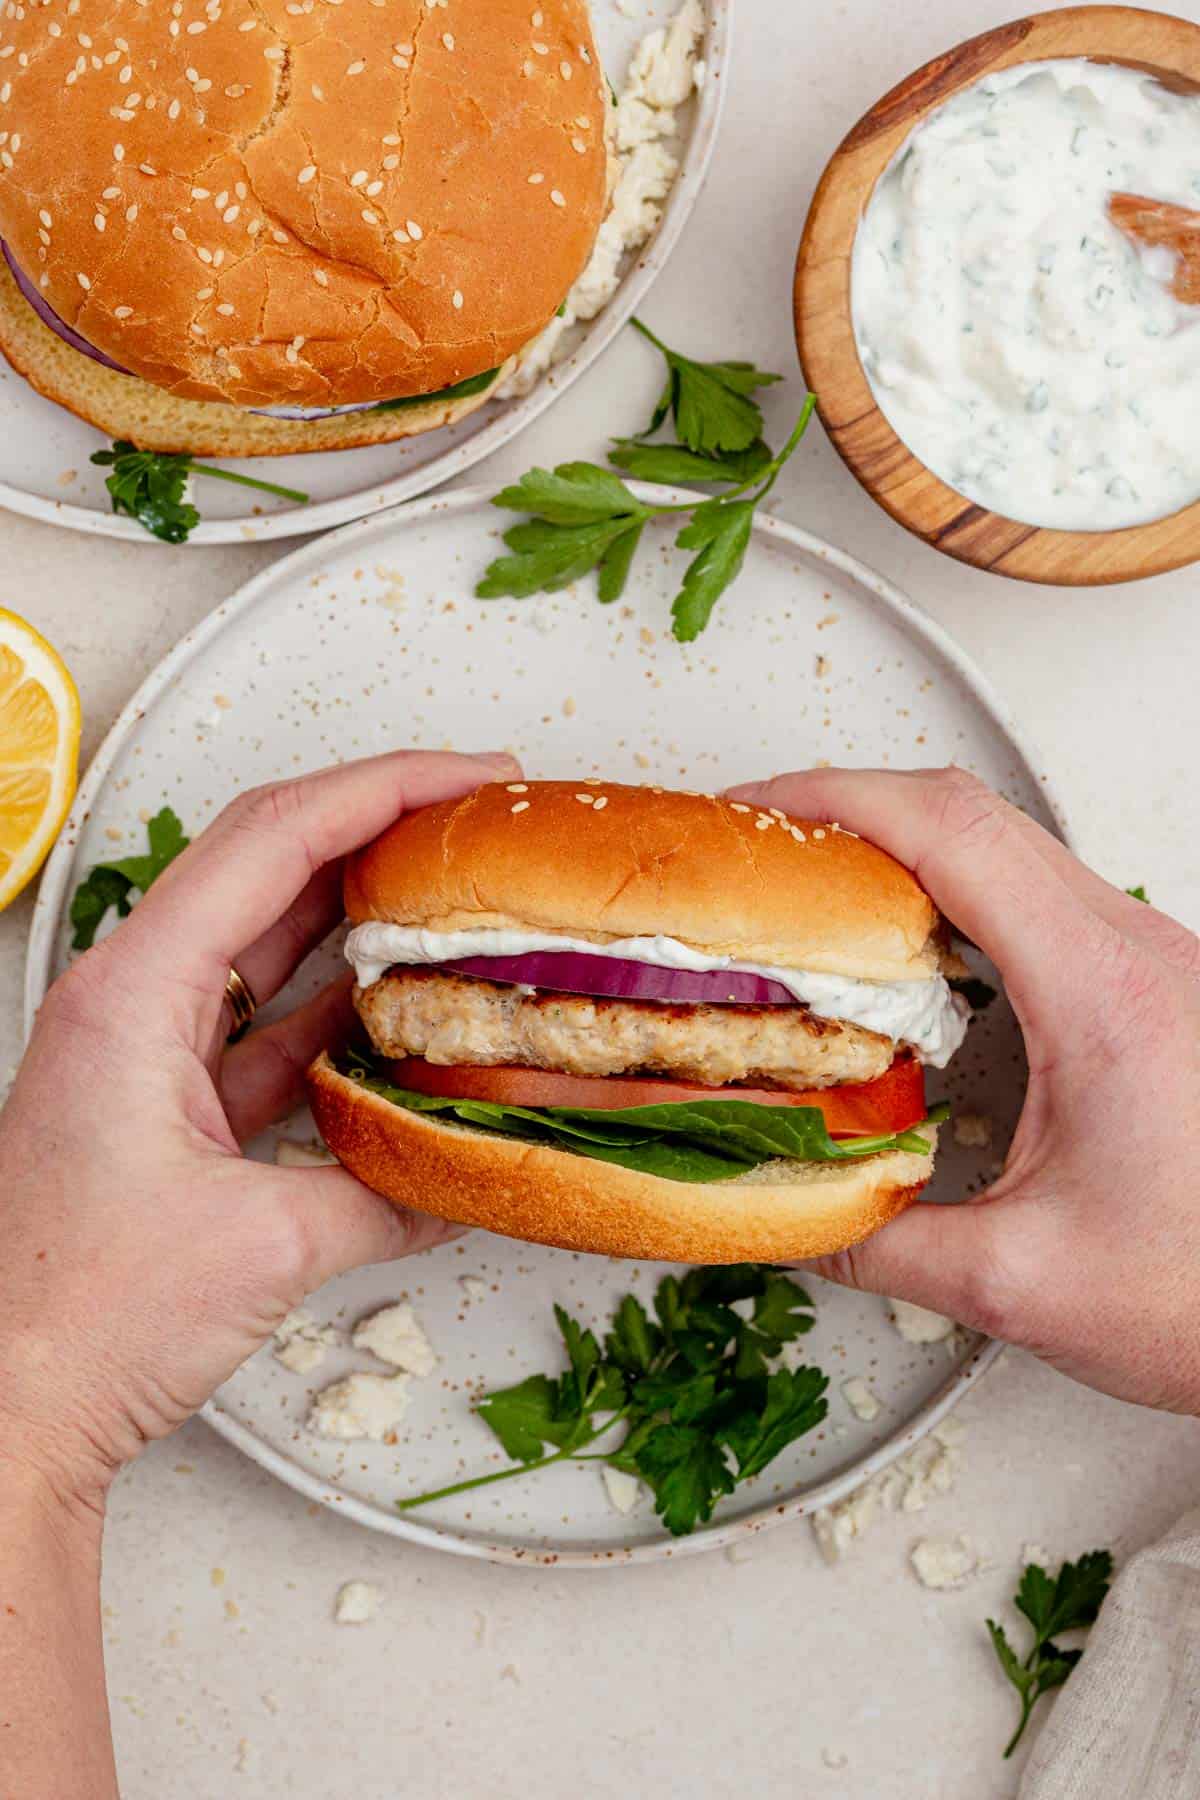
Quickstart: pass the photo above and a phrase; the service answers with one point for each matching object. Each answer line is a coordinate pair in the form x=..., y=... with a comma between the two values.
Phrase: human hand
x=1086, y=1249
x=141, y=1258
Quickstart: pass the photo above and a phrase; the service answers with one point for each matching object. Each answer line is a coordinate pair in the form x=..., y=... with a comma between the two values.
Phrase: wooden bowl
x=1165, y=47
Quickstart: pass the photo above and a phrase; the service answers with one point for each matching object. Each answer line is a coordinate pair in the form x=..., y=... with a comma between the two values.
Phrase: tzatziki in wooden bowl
x=1000, y=366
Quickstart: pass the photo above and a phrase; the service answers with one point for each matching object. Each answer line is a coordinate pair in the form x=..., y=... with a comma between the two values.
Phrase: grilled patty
x=458, y=1019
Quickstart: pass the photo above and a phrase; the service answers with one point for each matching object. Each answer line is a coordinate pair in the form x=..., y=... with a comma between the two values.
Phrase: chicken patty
x=459, y=1019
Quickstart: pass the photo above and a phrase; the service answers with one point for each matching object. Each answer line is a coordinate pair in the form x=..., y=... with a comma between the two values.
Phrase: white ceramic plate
x=44, y=450
x=371, y=639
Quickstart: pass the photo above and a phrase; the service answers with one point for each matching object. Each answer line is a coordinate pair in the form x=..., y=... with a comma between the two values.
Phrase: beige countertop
x=227, y=1673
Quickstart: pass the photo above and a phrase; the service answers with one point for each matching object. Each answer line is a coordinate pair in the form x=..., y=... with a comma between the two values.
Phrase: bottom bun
x=124, y=406
x=777, y=1212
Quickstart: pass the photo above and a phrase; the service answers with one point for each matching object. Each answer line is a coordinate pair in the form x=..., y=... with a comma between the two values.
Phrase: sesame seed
x=44, y=216
x=414, y=230
x=318, y=93
x=118, y=153
x=797, y=834
x=557, y=197
x=517, y=787
x=355, y=68
x=99, y=221
x=579, y=146
x=448, y=40
x=83, y=281
x=458, y=299
x=225, y=309
x=601, y=803
x=174, y=110
x=280, y=237
x=585, y=53
x=391, y=162
x=818, y=833
x=586, y=799
x=537, y=19
x=777, y=814
x=370, y=218
x=205, y=256
x=736, y=806
x=401, y=237
x=307, y=173
x=762, y=823
x=320, y=277
x=201, y=193
x=273, y=53
x=179, y=234
x=248, y=25
x=390, y=138
x=526, y=68
x=536, y=178
x=521, y=806
x=540, y=49
x=230, y=214
x=204, y=293
x=358, y=178
x=122, y=312
x=565, y=70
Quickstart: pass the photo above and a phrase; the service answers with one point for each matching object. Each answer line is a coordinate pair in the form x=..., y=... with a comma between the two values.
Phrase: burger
x=245, y=227
x=638, y=1022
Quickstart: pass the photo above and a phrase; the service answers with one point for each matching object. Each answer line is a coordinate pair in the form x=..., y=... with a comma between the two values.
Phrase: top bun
x=297, y=202
x=597, y=860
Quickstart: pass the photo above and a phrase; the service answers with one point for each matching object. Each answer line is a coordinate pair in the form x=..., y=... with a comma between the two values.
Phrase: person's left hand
x=141, y=1257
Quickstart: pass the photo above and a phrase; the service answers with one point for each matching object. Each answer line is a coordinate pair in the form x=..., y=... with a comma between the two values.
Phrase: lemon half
x=39, y=751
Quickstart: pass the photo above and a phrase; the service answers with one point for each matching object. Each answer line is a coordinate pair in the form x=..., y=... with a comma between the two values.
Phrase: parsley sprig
x=583, y=517
x=148, y=485
x=111, y=883
x=693, y=1389
x=1069, y=1602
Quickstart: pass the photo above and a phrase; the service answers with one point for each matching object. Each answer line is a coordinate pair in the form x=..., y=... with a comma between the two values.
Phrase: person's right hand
x=1086, y=1249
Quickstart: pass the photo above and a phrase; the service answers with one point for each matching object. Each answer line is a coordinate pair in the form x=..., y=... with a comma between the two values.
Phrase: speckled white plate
x=44, y=450
x=371, y=639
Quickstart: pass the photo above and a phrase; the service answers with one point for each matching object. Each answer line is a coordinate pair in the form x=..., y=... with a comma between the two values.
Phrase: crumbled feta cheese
x=361, y=1406
x=918, y=1326
x=973, y=1130
x=943, y=1563
x=661, y=76
x=929, y=1469
x=473, y=1286
x=861, y=1401
x=622, y=1489
x=835, y=1759
x=395, y=1335
x=358, y=1603
x=300, y=1343
x=291, y=1155
x=1034, y=1553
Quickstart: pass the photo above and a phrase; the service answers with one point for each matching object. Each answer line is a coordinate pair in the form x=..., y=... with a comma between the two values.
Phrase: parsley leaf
x=687, y=1472
x=110, y=884
x=1138, y=893
x=675, y=462
x=721, y=532
x=148, y=486
x=692, y=1390
x=582, y=517
x=711, y=402
x=1069, y=1602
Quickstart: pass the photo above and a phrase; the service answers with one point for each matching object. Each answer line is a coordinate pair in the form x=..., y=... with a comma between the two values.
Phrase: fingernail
x=497, y=759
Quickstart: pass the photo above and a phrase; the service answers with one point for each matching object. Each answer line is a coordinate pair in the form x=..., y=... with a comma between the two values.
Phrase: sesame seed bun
x=602, y=861
x=260, y=204
x=779, y=1212
x=123, y=406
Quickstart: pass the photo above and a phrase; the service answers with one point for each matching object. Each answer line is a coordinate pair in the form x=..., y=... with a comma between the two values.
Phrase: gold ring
x=242, y=1005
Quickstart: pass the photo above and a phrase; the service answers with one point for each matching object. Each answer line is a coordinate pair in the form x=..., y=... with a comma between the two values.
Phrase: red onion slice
x=48, y=316
x=614, y=978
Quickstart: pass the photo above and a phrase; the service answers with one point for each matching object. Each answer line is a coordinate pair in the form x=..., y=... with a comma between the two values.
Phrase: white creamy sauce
x=1019, y=343
x=925, y=1014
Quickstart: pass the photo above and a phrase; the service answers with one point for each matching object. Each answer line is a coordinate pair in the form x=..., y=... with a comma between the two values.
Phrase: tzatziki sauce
x=923, y=1013
x=1023, y=348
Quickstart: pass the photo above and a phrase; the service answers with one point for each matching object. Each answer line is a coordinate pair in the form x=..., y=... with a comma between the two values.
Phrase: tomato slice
x=894, y=1102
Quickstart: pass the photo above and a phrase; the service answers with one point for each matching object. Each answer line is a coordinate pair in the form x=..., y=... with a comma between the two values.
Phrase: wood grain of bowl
x=1163, y=46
